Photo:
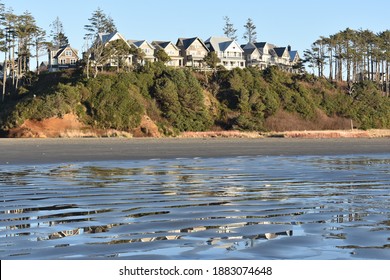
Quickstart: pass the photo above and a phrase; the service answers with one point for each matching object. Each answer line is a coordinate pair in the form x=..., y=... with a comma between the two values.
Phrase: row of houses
x=188, y=52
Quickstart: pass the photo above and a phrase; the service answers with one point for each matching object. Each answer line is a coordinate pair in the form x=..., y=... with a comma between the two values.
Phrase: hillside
x=157, y=101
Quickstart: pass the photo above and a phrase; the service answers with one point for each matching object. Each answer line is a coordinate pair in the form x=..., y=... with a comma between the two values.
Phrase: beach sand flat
x=66, y=150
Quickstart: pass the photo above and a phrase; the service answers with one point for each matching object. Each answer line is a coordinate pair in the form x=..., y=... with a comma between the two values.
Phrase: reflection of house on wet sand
x=223, y=235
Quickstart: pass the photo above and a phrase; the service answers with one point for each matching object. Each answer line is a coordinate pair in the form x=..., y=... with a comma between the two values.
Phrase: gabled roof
x=139, y=43
x=251, y=51
x=260, y=44
x=108, y=37
x=187, y=42
x=249, y=46
x=61, y=49
x=280, y=51
x=293, y=55
x=163, y=44
x=220, y=44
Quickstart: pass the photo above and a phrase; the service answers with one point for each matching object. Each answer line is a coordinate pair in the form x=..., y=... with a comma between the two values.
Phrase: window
x=68, y=53
x=63, y=61
x=73, y=61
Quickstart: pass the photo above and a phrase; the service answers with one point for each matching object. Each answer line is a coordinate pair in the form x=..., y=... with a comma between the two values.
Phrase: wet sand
x=44, y=151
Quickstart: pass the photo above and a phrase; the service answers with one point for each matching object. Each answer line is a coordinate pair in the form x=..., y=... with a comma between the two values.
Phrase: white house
x=228, y=51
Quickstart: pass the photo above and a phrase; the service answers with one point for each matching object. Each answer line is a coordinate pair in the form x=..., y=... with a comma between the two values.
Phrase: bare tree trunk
x=88, y=66
x=25, y=64
x=387, y=78
x=354, y=70
x=348, y=64
x=13, y=66
x=4, y=76
x=331, y=65
x=96, y=71
x=368, y=65
x=37, y=55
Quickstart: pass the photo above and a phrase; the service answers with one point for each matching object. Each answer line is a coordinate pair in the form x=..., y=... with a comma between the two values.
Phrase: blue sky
x=296, y=22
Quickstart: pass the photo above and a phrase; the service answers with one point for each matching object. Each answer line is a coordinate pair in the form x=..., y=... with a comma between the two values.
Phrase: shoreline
x=29, y=151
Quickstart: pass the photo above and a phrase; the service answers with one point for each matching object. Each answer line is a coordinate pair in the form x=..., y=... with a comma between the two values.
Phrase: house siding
x=194, y=54
x=62, y=58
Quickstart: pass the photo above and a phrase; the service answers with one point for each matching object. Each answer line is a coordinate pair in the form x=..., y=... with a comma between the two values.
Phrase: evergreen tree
x=229, y=29
x=119, y=50
x=138, y=54
x=26, y=27
x=162, y=56
x=212, y=60
x=3, y=46
x=39, y=43
x=99, y=23
x=57, y=34
x=250, y=33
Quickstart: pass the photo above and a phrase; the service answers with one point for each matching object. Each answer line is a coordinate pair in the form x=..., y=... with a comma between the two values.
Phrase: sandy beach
x=43, y=151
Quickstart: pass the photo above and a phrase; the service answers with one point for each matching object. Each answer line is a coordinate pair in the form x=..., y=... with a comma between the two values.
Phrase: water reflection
x=199, y=208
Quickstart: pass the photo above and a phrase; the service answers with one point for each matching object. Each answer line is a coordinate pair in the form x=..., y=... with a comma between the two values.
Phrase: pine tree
x=39, y=43
x=229, y=29
x=250, y=33
x=99, y=23
x=3, y=47
x=57, y=34
x=25, y=28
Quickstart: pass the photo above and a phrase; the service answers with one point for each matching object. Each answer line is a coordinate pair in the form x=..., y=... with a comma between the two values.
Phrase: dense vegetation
x=184, y=100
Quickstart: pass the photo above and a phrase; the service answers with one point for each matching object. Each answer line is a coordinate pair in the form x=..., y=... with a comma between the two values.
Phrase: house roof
x=60, y=50
x=280, y=51
x=108, y=37
x=293, y=55
x=262, y=45
x=187, y=42
x=251, y=51
x=163, y=44
x=139, y=43
x=248, y=46
x=218, y=44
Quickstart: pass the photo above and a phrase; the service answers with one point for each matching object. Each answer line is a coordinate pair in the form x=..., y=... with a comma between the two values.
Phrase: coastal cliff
x=157, y=101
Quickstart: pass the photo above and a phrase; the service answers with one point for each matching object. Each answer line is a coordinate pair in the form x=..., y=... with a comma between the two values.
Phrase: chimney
x=289, y=48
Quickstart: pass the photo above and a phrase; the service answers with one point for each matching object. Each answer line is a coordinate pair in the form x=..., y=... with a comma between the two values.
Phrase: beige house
x=193, y=51
x=61, y=58
x=171, y=50
x=147, y=48
x=228, y=51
